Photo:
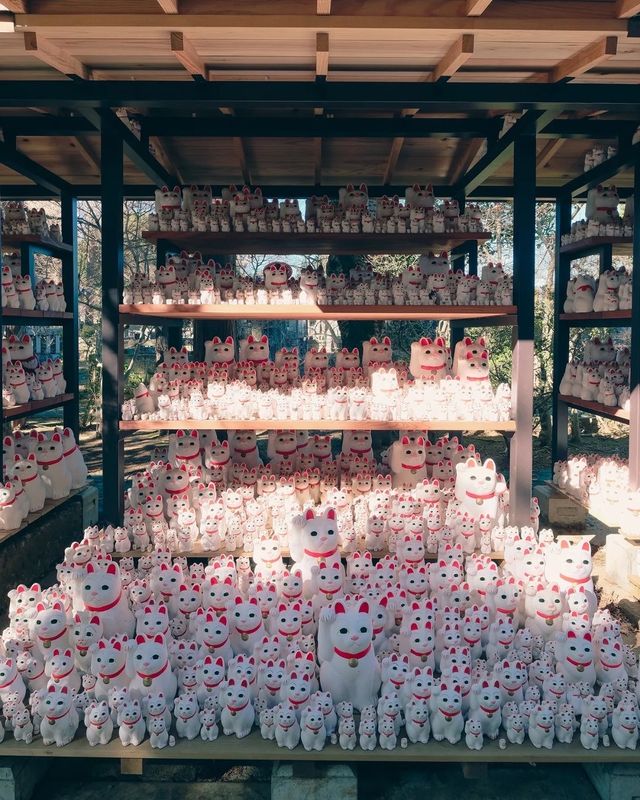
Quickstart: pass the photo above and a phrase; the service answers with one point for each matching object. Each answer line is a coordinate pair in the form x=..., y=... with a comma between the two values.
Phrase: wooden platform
x=33, y=406
x=317, y=425
x=376, y=555
x=503, y=315
x=599, y=318
x=311, y=243
x=610, y=412
x=255, y=748
x=23, y=316
x=622, y=245
x=51, y=246
x=49, y=506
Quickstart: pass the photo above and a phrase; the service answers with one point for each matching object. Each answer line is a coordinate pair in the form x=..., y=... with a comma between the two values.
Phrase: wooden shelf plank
x=24, y=316
x=255, y=748
x=598, y=318
x=34, y=406
x=310, y=243
x=333, y=312
x=621, y=244
x=36, y=515
x=375, y=554
x=51, y=245
x=589, y=407
x=316, y=425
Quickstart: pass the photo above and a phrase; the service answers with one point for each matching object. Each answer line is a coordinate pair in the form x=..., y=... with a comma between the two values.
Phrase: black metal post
x=111, y=154
x=70, y=327
x=524, y=250
x=634, y=416
x=473, y=257
x=560, y=410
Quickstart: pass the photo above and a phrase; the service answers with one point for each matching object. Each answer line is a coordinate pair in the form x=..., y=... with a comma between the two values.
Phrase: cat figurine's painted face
x=247, y=618
x=186, y=446
x=476, y=481
x=174, y=481
x=220, y=352
x=150, y=654
x=86, y=631
x=152, y=620
x=109, y=658
x=352, y=629
x=319, y=533
x=57, y=701
x=376, y=351
x=575, y=564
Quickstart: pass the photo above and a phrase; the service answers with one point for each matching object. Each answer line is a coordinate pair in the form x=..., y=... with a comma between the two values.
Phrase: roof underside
x=319, y=42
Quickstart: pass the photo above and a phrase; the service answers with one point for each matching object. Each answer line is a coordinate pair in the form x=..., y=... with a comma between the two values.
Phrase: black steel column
x=111, y=155
x=560, y=410
x=524, y=251
x=70, y=327
x=634, y=416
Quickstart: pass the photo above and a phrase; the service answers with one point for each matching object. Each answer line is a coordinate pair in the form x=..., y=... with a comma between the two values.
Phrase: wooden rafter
x=86, y=150
x=16, y=6
x=169, y=6
x=457, y=55
x=166, y=157
x=54, y=56
x=627, y=8
x=548, y=152
x=183, y=49
x=392, y=160
x=322, y=55
x=585, y=59
x=239, y=149
x=323, y=7
x=466, y=153
x=477, y=7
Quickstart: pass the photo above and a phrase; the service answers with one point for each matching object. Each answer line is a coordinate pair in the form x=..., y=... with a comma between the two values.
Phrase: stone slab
x=19, y=776
x=313, y=781
x=621, y=560
x=615, y=781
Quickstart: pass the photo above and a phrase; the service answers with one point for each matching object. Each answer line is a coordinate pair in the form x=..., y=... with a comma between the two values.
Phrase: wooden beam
x=627, y=8
x=82, y=143
x=16, y=6
x=585, y=59
x=392, y=160
x=317, y=160
x=323, y=7
x=183, y=49
x=477, y=7
x=464, y=157
x=169, y=6
x=459, y=53
x=166, y=157
x=548, y=152
x=322, y=55
x=241, y=155
x=54, y=56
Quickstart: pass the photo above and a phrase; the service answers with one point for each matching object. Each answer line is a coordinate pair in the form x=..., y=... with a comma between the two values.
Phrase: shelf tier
x=376, y=555
x=312, y=243
x=49, y=505
x=34, y=406
x=621, y=244
x=500, y=315
x=610, y=412
x=317, y=425
x=593, y=319
x=254, y=748
x=22, y=316
x=50, y=246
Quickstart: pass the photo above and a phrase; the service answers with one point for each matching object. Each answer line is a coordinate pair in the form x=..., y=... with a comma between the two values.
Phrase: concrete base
x=622, y=561
x=19, y=776
x=615, y=781
x=313, y=781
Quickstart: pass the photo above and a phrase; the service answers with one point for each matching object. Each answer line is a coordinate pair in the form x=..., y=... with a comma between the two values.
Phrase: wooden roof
x=425, y=41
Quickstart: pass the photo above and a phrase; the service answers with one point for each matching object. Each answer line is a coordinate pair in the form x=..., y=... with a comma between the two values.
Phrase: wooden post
x=634, y=415
x=524, y=251
x=112, y=159
x=560, y=410
x=70, y=327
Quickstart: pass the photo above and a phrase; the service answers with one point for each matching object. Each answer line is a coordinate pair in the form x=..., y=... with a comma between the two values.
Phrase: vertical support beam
x=560, y=410
x=70, y=327
x=172, y=333
x=473, y=257
x=606, y=257
x=1, y=370
x=111, y=152
x=524, y=252
x=634, y=416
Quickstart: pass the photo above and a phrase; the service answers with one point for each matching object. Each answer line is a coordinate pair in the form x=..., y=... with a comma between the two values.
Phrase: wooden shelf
x=311, y=243
x=621, y=244
x=317, y=425
x=51, y=246
x=610, y=412
x=592, y=319
x=49, y=505
x=255, y=748
x=35, y=406
x=502, y=314
x=23, y=316
x=376, y=555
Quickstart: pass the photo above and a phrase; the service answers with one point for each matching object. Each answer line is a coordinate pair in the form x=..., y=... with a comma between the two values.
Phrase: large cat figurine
x=349, y=669
x=102, y=594
x=152, y=668
x=478, y=488
x=314, y=538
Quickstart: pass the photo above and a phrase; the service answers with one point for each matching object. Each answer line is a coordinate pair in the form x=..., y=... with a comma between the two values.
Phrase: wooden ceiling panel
x=347, y=160
x=271, y=158
x=424, y=160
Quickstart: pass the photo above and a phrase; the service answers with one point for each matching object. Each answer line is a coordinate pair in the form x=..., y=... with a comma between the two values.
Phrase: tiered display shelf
x=376, y=555
x=589, y=407
x=584, y=247
x=220, y=245
x=34, y=406
x=36, y=515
